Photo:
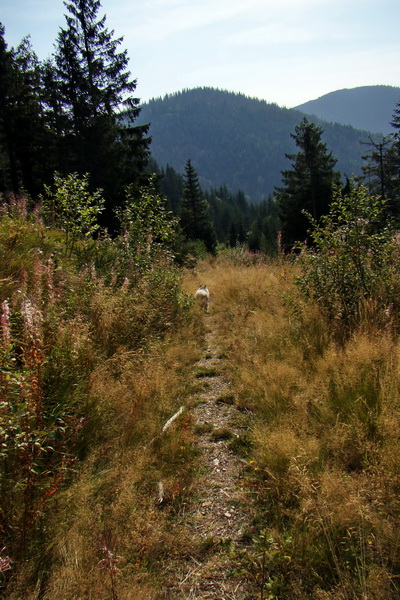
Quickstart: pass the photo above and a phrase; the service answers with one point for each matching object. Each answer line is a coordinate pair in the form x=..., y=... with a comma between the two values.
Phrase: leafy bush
x=353, y=267
x=72, y=207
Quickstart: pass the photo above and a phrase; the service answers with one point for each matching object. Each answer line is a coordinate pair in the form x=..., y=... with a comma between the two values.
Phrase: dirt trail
x=219, y=515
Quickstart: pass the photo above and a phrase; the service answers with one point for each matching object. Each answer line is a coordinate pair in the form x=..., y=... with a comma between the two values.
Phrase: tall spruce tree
x=8, y=160
x=308, y=186
x=382, y=171
x=195, y=214
x=392, y=163
x=375, y=171
x=98, y=104
x=23, y=135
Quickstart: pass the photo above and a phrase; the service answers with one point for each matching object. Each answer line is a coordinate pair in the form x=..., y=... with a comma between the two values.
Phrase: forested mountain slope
x=235, y=140
x=368, y=107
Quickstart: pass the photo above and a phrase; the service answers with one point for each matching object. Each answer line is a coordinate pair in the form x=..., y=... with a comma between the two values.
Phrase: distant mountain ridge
x=236, y=140
x=367, y=107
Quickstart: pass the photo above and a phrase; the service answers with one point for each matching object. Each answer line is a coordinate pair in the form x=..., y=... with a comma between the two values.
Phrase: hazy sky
x=283, y=51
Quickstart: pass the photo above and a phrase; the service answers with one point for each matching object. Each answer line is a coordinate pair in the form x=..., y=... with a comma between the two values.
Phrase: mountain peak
x=368, y=107
x=236, y=140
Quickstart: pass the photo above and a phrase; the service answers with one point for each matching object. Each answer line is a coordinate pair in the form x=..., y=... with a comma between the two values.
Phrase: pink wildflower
x=281, y=249
x=5, y=325
x=5, y=561
x=32, y=320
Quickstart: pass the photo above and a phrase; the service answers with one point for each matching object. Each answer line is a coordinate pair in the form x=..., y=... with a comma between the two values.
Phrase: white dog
x=203, y=296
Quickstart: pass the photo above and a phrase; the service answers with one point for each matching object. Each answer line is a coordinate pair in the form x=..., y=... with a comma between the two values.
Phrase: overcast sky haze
x=283, y=51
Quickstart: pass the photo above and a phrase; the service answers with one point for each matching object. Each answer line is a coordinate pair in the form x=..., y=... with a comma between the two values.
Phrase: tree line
x=237, y=140
x=309, y=186
x=77, y=112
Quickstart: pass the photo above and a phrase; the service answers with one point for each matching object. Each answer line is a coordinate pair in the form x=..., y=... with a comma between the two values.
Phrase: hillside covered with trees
x=368, y=107
x=77, y=113
x=236, y=140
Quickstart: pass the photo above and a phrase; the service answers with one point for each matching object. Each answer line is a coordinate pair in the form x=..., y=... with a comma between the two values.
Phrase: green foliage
x=196, y=249
x=240, y=256
x=263, y=235
x=20, y=235
x=150, y=236
x=75, y=112
x=38, y=427
x=95, y=99
x=392, y=166
x=382, y=171
x=151, y=227
x=375, y=171
x=267, y=561
x=354, y=259
x=231, y=215
x=58, y=324
x=23, y=134
x=171, y=185
x=235, y=220
x=72, y=207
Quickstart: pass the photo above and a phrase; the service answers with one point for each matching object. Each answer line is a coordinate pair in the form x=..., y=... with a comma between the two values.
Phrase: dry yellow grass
x=108, y=522
x=324, y=466
x=326, y=431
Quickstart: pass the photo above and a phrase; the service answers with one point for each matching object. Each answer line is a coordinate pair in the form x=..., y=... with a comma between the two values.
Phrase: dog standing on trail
x=203, y=296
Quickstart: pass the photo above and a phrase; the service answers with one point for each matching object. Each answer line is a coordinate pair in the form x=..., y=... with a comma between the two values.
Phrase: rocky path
x=219, y=515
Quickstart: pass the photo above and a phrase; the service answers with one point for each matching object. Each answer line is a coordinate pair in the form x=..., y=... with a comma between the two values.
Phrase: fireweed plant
x=60, y=317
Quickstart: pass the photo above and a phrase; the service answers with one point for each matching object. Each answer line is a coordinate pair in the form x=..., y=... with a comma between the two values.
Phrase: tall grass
x=96, y=356
x=112, y=508
x=324, y=460
x=91, y=368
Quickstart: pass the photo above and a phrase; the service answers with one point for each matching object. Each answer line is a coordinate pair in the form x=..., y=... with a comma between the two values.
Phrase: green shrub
x=70, y=206
x=354, y=261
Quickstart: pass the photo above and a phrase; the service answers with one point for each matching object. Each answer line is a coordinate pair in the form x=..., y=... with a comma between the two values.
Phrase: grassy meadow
x=94, y=361
x=324, y=448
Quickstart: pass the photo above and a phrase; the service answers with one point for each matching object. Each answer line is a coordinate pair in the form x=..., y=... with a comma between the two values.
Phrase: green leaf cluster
x=72, y=207
x=354, y=259
x=149, y=228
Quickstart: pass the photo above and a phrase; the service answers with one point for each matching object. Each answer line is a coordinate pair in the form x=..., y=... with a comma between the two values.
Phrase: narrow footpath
x=219, y=515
